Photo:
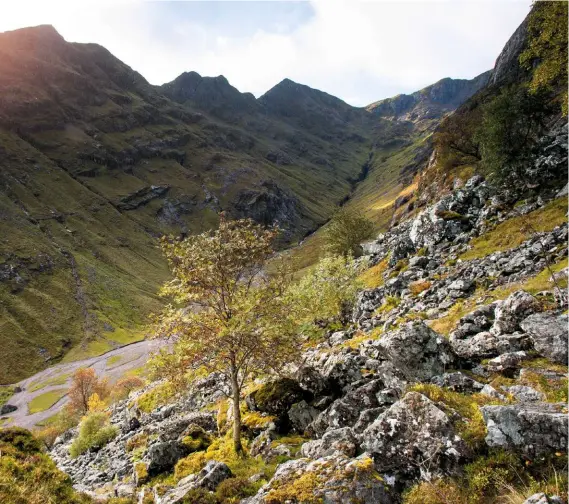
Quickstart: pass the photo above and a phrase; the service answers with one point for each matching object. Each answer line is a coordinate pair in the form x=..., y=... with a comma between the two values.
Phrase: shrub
x=85, y=383
x=94, y=432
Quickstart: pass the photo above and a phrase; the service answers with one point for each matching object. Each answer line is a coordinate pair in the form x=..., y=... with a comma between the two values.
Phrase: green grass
x=45, y=401
x=56, y=380
x=5, y=394
x=115, y=359
x=513, y=232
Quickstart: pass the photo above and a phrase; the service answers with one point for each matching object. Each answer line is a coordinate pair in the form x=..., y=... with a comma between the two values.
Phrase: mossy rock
x=195, y=438
x=276, y=397
x=140, y=473
x=450, y=215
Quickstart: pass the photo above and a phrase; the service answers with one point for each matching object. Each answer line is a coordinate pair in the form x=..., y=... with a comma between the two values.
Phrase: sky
x=359, y=51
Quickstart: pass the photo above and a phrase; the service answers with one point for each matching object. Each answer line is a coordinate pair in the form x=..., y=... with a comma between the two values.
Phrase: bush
x=158, y=396
x=94, y=432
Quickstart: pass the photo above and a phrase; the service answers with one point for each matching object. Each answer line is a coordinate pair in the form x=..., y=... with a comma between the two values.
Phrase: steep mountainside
x=429, y=103
x=95, y=163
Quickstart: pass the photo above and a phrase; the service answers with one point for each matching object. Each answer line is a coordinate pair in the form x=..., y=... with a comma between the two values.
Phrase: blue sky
x=360, y=51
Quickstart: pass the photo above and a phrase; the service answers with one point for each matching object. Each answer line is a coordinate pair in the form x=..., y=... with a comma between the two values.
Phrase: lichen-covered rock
x=163, y=456
x=523, y=393
x=549, y=335
x=457, y=382
x=344, y=412
x=335, y=440
x=506, y=363
x=416, y=350
x=531, y=428
x=208, y=478
x=276, y=397
x=515, y=308
x=415, y=435
x=301, y=415
x=541, y=498
x=335, y=479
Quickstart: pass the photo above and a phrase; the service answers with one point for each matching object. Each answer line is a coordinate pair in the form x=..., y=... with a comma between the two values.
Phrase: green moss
x=196, y=439
x=158, y=396
x=141, y=472
x=45, y=401
x=450, y=215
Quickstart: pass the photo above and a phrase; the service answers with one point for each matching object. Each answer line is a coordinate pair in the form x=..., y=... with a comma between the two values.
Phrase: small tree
x=326, y=291
x=346, y=231
x=233, y=320
x=512, y=123
x=85, y=383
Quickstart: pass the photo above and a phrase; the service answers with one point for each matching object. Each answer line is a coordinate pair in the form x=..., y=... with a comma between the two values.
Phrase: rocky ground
x=446, y=358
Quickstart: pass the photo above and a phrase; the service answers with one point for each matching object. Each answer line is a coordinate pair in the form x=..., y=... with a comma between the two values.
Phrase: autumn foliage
x=85, y=383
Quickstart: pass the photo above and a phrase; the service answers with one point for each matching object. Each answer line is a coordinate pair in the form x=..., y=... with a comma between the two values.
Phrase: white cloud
x=359, y=51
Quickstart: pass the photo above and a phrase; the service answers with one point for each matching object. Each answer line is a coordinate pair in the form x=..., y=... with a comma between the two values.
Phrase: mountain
x=96, y=163
x=432, y=102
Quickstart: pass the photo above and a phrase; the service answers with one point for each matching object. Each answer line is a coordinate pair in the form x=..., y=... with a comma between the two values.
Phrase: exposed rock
x=458, y=382
x=301, y=415
x=512, y=311
x=276, y=398
x=163, y=456
x=334, y=479
x=523, y=393
x=414, y=435
x=541, y=498
x=532, y=428
x=506, y=362
x=549, y=335
x=208, y=478
x=335, y=440
x=416, y=350
x=7, y=408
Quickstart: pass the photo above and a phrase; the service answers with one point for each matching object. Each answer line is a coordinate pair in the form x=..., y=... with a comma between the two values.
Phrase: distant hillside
x=96, y=163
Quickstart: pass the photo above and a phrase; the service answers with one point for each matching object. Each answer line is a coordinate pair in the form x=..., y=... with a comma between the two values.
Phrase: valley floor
x=46, y=391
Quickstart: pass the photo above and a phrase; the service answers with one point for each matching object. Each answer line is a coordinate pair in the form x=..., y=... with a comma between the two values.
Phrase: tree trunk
x=236, y=412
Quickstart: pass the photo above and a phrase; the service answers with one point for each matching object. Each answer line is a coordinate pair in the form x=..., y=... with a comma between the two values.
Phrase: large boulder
x=549, y=335
x=417, y=351
x=531, y=428
x=301, y=415
x=334, y=479
x=541, y=498
x=515, y=308
x=163, y=456
x=415, y=435
x=276, y=397
x=345, y=412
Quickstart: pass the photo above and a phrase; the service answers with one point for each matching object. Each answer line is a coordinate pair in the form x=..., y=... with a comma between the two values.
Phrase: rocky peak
x=213, y=94
x=432, y=102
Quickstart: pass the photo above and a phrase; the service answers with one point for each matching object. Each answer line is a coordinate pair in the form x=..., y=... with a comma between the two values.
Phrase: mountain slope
x=96, y=163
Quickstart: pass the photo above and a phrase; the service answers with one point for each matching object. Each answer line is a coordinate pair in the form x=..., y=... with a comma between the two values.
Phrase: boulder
x=549, y=335
x=415, y=434
x=457, y=382
x=7, y=408
x=276, y=397
x=334, y=441
x=416, y=350
x=523, y=393
x=208, y=478
x=130, y=425
x=541, y=498
x=531, y=428
x=301, y=414
x=163, y=456
x=334, y=479
x=506, y=363
x=515, y=308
